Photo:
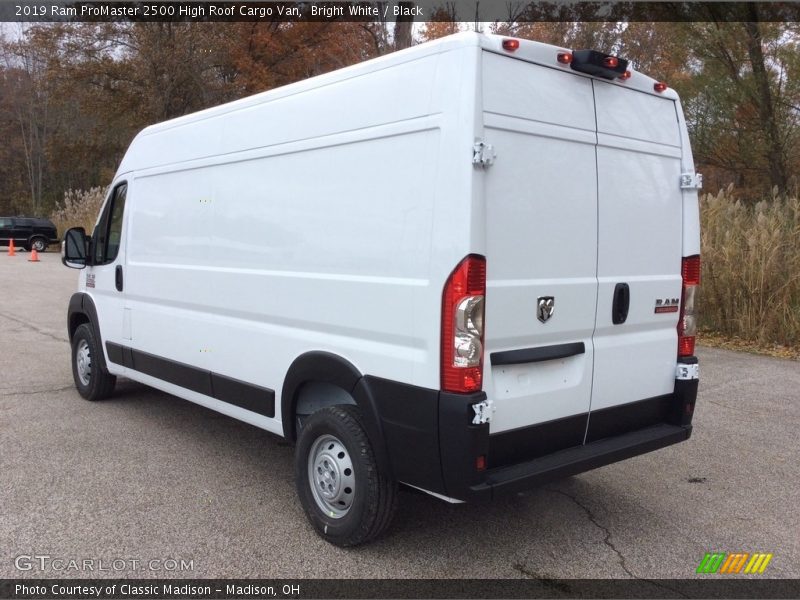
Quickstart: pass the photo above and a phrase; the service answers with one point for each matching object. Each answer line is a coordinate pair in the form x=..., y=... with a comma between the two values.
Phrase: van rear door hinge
x=483, y=154
x=691, y=181
x=483, y=412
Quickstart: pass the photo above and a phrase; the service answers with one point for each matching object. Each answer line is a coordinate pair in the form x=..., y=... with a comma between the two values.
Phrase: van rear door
x=639, y=258
x=541, y=246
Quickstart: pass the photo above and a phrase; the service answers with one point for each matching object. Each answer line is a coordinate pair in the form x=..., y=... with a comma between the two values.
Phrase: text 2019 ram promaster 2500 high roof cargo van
x=468, y=267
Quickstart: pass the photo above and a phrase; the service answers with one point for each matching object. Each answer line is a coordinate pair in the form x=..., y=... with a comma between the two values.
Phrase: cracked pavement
x=148, y=476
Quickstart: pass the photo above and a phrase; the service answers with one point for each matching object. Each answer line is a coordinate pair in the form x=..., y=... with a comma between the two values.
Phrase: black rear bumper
x=578, y=459
x=430, y=441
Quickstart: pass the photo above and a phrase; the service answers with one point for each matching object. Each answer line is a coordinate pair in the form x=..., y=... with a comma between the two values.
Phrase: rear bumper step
x=578, y=459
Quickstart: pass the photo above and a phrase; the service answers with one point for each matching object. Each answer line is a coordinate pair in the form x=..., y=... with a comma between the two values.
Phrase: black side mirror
x=74, y=248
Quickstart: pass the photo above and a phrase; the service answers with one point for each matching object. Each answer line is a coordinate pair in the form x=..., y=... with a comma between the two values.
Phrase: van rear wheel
x=347, y=498
x=93, y=381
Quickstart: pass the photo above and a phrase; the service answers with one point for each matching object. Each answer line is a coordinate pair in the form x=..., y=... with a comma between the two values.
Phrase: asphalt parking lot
x=149, y=476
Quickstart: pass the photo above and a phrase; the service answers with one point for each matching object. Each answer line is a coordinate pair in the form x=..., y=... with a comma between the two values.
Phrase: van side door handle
x=622, y=302
x=118, y=277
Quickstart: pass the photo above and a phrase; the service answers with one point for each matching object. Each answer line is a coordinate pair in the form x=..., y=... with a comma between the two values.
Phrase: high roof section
x=368, y=66
x=248, y=123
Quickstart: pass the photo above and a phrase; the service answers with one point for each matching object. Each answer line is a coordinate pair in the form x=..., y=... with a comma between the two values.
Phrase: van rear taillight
x=687, y=323
x=462, y=326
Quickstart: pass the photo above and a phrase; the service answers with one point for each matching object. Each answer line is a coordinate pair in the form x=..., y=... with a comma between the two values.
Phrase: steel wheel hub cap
x=331, y=476
x=83, y=361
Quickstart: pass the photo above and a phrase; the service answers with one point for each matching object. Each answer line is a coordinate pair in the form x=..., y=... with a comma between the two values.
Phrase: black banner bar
x=42, y=11
x=713, y=586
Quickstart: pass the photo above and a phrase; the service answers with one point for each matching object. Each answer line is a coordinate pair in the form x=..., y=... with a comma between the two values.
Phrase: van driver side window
x=108, y=233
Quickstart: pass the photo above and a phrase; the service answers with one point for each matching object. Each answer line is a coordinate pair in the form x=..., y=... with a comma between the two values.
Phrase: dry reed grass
x=751, y=267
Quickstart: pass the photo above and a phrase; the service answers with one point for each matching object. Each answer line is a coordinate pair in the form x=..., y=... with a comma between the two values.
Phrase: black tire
x=375, y=493
x=39, y=244
x=96, y=383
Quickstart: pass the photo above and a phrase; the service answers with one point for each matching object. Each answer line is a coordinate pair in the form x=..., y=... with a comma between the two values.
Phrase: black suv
x=28, y=232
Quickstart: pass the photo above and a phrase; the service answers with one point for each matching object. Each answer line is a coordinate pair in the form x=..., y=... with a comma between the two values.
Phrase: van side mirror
x=74, y=248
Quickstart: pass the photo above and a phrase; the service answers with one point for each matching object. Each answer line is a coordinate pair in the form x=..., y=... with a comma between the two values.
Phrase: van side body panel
x=251, y=264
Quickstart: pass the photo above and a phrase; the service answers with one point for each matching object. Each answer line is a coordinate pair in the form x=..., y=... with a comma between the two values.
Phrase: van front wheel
x=347, y=498
x=92, y=380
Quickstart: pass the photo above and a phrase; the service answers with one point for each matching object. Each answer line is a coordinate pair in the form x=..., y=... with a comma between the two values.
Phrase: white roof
x=155, y=145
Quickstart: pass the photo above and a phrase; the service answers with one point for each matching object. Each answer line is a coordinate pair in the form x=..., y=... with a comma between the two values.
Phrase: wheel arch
x=82, y=310
x=329, y=369
x=315, y=395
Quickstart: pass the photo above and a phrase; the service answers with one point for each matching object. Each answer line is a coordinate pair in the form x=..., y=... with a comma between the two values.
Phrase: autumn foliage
x=72, y=96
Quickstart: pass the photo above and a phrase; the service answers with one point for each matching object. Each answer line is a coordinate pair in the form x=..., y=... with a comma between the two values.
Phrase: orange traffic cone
x=34, y=256
x=11, y=248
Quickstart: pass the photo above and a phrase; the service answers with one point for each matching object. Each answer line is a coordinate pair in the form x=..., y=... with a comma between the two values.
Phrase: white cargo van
x=468, y=267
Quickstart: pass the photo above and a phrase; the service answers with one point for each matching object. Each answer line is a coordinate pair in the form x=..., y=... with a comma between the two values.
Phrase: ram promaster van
x=468, y=267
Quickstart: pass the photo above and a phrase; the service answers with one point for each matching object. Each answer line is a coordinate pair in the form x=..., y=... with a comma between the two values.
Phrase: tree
x=743, y=117
x=29, y=95
x=403, y=23
x=739, y=83
x=268, y=55
x=443, y=22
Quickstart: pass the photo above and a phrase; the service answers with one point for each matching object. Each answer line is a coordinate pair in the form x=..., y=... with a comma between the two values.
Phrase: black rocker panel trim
x=185, y=376
x=539, y=354
x=115, y=353
x=245, y=395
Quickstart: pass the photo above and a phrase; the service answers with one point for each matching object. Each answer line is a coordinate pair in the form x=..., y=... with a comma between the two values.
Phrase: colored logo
x=736, y=562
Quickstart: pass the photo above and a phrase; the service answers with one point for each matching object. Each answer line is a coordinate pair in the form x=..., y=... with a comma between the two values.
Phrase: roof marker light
x=510, y=45
x=610, y=62
x=659, y=86
x=625, y=76
x=564, y=57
